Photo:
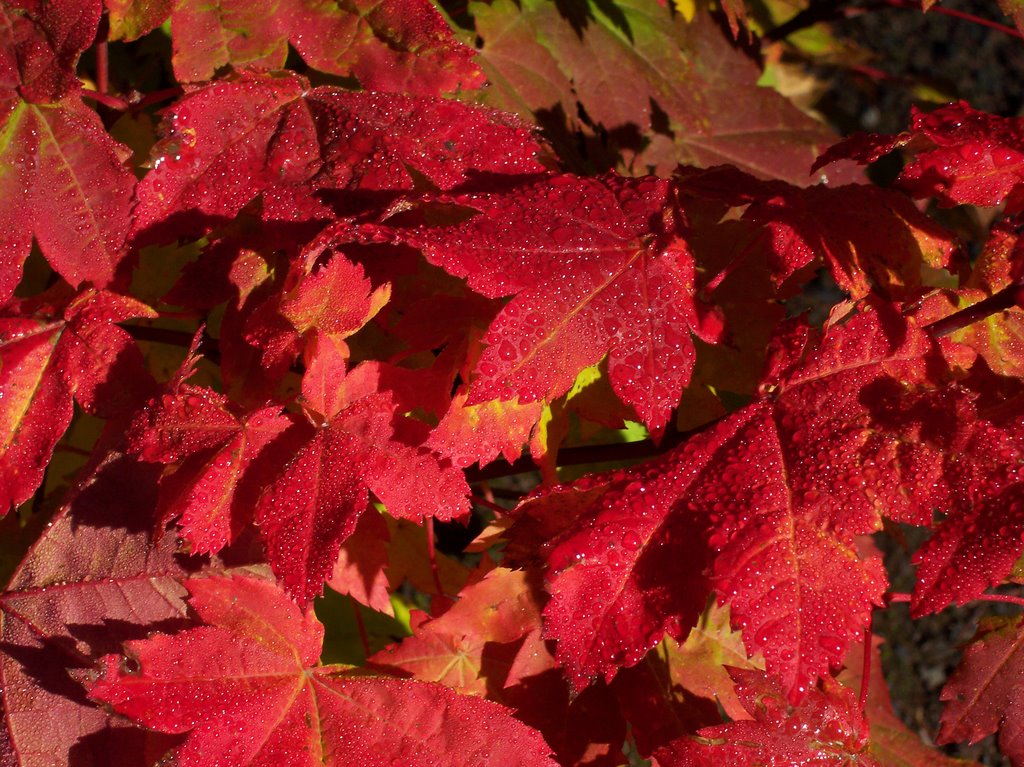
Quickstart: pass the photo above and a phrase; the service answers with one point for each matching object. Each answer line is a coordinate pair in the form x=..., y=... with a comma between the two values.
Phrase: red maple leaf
x=94, y=578
x=984, y=694
x=266, y=702
x=65, y=182
x=54, y=353
x=770, y=500
x=274, y=133
x=40, y=45
x=597, y=267
x=827, y=728
x=218, y=482
x=395, y=45
x=960, y=156
x=871, y=239
x=315, y=502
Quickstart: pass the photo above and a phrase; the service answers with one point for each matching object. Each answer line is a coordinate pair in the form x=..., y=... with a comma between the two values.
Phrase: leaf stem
x=894, y=597
x=865, y=671
x=105, y=99
x=361, y=628
x=997, y=302
x=102, y=67
x=970, y=17
x=432, y=555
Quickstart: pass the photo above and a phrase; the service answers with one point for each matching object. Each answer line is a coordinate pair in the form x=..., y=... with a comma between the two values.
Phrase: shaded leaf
x=561, y=61
x=826, y=729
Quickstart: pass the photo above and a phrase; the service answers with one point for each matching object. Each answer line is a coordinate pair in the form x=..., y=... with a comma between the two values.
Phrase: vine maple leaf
x=266, y=700
x=93, y=579
x=472, y=647
x=597, y=267
x=395, y=45
x=41, y=43
x=960, y=156
x=71, y=350
x=984, y=695
x=220, y=477
x=770, y=501
x=827, y=728
x=315, y=502
x=63, y=179
x=566, y=66
x=871, y=239
x=272, y=132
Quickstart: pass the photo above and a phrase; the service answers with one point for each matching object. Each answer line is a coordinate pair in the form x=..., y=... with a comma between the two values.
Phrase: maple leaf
x=62, y=178
x=1015, y=10
x=397, y=45
x=470, y=647
x=68, y=352
x=272, y=132
x=266, y=700
x=983, y=695
x=93, y=579
x=479, y=433
x=825, y=729
x=566, y=68
x=872, y=239
x=220, y=476
x=597, y=267
x=359, y=570
x=315, y=502
x=960, y=156
x=999, y=337
x=40, y=45
x=770, y=501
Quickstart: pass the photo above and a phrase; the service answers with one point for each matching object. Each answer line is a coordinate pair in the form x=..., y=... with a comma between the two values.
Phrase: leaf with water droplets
x=265, y=701
x=62, y=178
x=873, y=240
x=769, y=502
x=233, y=140
x=825, y=729
x=597, y=267
x=960, y=156
x=983, y=695
x=53, y=354
x=41, y=43
x=220, y=461
x=394, y=45
x=315, y=502
x=94, y=579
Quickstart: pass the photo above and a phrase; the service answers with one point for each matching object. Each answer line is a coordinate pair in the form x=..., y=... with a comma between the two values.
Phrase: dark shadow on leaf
x=47, y=664
x=109, y=636
x=122, y=495
x=122, y=744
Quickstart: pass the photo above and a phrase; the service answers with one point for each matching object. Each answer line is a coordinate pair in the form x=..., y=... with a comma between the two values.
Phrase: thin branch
x=970, y=17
